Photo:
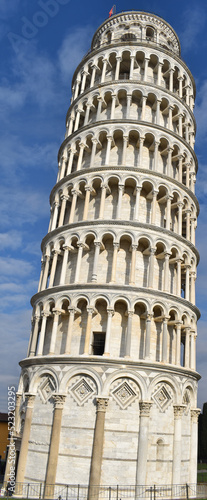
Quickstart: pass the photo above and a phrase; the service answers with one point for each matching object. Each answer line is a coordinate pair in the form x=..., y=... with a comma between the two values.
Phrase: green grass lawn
x=202, y=466
x=202, y=477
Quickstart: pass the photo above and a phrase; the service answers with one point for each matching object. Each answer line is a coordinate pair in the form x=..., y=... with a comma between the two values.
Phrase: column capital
x=90, y=310
x=134, y=246
x=45, y=314
x=59, y=400
x=30, y=398
x=64, y=197
x=178, y=410
x=55, y=204
x=101, y=404
x=149, y=316
x=97, y=243
x=110, y=311
x=18, y=397
x=144, y=408
x=152, y=251
x=116, y=245
x=195, y=412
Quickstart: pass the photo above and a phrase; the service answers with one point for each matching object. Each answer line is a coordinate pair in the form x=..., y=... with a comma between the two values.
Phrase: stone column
x=192, y=350
x=118, y=61
x=80, y=156
x=78, y=263
x=56, y=315
x=188, y=212
x=153, y=206
x=144, y=407
x=110, y=313
x=178, y=285
x=114, y=262
x=146, y=61
x=93, y=152
x=70, y=161
x=180, y=217
x=53, y=267
x=131, y=67
x=156, y=146
x=187, y=347
x=169, y=161
x=34, y=336
x=178, y=343
x=88, y=190
x=97, y=451
x=64, y=199
x=148, y=336
x=159, y=73
x=30, y=398
x=158, y=111
x=171, y=80
x=44, y=315
x=129, y=334
x=87, y=112
x=170, y=109
x=120, y=194
x=177, y=438
x=136, y=208
x=77, y=84
x=129, y=100
x=144, y=100
x=124, y=150
x=99, y=107
x=108, y=149
x=193, y=445
x=105, y=61
x=164, y=340
x=141, y=142
x=70, y=329
x=113, y=104
x=133, y=266
x=59, y=400
x=166, y=272
x=151, y=267
x=102, y=201
x=90, y=311
x=180, y=78
x=97, y=245
x=77, y=119
x=94, y=67
x=192, y=287
x=74, y=192
x=187, y=281
x=66, y=250
x=84, y=75
x=55, y=215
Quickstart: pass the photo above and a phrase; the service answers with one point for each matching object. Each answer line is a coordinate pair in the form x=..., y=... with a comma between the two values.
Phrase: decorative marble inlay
x=162, y=397
x=46, y=389
x=81, y=391
x=124, y=394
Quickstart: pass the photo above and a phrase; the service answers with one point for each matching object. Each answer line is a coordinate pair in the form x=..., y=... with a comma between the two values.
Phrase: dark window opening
x=98, y=343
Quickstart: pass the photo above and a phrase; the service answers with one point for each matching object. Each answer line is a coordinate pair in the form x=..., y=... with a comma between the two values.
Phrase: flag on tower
x=112, y=11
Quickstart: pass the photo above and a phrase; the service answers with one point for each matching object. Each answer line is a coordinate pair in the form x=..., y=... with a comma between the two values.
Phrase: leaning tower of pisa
x=108, y=390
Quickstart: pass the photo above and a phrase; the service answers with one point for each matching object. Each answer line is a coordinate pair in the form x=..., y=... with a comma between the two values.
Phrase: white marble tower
x=108, y=390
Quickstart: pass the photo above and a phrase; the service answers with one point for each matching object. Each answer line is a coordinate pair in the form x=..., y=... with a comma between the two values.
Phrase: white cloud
x=15, y=267
x=11, y=239
x=73, y=48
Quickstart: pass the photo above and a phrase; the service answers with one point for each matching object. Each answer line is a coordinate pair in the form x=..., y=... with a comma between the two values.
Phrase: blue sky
x=39, y=52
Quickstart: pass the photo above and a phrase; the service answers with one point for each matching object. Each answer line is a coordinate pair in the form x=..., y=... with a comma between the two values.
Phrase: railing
x=116, y=492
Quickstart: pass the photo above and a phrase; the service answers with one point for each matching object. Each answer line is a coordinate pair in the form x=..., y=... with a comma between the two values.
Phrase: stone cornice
x=134, y=170
x=98, y=361
x=123, y=289
x=121, y=223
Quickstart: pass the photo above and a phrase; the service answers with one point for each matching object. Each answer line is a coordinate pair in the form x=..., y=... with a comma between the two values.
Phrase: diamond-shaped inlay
x=82, y=391
x=162, y=398
x=46, y=388
x=124, y=394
